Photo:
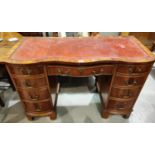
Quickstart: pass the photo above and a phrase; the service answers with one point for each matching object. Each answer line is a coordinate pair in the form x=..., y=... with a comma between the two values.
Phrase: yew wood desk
x=121, y=65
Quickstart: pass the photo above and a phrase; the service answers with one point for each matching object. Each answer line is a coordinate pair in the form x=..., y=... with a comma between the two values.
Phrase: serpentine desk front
x=120, y=65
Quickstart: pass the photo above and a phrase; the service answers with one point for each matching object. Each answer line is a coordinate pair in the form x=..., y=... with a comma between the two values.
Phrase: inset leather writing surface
x=80, y=50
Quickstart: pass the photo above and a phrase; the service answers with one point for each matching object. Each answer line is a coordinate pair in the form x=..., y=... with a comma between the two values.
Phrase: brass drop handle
x=26, y=71
x=67, y=72
x=130, y=69
x=126, y=82
x=28, y=83
x=127, y=94
x=34, y=98
x=139, y=69
x=101, y=70
x=130, y=82
x=29, y=71
x=94, y=72
x=134, y=81
x=59, y=71
x=120, y=106
x=80, y=70
x=37, y=107
x=23, y=71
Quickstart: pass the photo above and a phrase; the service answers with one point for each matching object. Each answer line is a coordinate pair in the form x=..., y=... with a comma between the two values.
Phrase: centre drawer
x=30, y=82
x=26, y=69
x=124, y=93
x=34, y=94
x=80, y=71
x=129, y=80
x=38, y=106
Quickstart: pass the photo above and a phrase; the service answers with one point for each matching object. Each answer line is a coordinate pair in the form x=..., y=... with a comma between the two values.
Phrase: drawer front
x=26, y=69
x=38, y=106
x=80, y=71
x=124, y=93
x=34, y=94
x=129, y=81
x=30, y=82
x=120, y=111
x=120, y=105
x=133, y=69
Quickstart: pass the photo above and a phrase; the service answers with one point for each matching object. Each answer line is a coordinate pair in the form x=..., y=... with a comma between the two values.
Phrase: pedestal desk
x=120, y=65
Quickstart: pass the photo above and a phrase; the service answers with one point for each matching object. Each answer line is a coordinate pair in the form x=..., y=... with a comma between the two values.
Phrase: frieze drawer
x=26, y=69
x=133, y=69
x=80, y=71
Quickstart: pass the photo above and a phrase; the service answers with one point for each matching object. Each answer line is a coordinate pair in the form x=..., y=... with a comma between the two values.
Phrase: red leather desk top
x=80, y=50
